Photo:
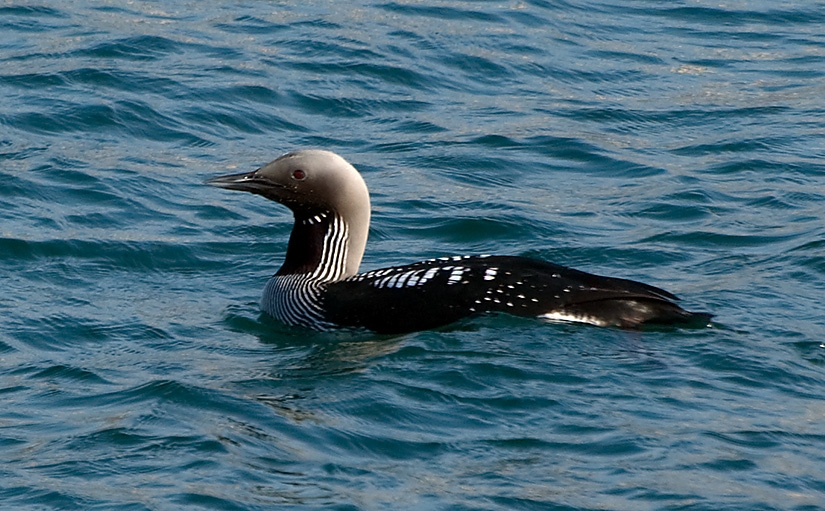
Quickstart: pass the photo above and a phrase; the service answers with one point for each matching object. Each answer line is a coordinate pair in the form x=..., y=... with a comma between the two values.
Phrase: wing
x=440, y=291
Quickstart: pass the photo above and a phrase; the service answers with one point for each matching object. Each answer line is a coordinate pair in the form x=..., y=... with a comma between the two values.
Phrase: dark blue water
x=679, y=143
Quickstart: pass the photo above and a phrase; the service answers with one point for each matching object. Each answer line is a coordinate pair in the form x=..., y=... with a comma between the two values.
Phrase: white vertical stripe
x=296, y=299
x=333, y=261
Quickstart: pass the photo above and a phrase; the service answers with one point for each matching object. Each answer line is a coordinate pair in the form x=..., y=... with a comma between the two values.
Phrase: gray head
x=313, y=182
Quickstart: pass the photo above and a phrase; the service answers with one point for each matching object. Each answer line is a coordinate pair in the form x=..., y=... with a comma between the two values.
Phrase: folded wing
x=437, y=292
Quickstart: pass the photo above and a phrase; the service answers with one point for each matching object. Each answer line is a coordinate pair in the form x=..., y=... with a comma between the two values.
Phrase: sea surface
x=681, y=143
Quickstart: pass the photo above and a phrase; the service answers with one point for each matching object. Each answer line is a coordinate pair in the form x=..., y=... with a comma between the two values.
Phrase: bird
x=319, y=286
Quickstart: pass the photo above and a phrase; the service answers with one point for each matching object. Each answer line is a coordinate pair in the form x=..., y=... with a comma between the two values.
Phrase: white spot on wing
x=429, y=275
x=402, y=279
x=490, y=273
x=456, y=275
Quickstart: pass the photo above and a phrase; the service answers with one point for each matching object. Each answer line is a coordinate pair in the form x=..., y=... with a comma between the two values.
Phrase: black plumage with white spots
x=318, y=286
x=440, y=291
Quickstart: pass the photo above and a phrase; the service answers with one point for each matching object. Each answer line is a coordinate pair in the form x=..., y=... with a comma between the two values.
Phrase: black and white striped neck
x=318, y=247
x=316, y=256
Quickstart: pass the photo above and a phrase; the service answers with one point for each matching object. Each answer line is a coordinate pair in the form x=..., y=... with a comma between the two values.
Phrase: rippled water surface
x=679, y=143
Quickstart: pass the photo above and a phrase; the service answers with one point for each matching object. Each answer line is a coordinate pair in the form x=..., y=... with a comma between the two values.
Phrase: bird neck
x=323, y=247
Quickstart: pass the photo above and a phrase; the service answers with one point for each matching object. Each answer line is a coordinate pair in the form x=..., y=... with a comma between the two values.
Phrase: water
x=679, y=143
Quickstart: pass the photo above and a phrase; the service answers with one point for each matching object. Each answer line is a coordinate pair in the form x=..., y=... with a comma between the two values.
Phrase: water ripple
x=676, y=144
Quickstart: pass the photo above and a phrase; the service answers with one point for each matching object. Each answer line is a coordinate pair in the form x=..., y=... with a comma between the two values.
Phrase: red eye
x=299, y=174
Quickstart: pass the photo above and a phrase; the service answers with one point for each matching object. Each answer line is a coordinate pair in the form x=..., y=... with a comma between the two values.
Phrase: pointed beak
x=245, y=182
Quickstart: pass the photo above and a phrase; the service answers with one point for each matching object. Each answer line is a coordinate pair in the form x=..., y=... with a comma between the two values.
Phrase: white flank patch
x=572, y=318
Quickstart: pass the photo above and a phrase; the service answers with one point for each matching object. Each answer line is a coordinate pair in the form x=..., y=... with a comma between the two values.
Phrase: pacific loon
x=319, y=287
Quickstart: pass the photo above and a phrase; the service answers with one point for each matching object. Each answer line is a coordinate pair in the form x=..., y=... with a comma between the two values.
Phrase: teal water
x=678, y=143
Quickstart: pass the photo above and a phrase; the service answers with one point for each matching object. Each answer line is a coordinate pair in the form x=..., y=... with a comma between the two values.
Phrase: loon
x=319, y=287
